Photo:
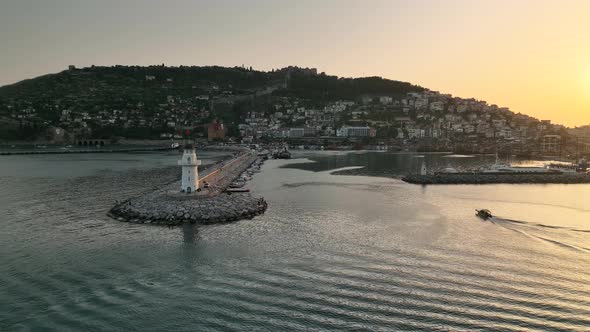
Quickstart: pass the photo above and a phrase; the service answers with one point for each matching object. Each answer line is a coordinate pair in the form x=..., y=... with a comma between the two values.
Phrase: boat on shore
x=283, y=154
x=264, y=154
x=237, y=184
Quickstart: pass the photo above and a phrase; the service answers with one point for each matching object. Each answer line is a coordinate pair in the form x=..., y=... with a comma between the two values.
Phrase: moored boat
x=237, y=190
x=284, y=154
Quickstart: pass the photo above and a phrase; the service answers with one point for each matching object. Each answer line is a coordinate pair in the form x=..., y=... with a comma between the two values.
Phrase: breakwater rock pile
x=166, y=209
x=364, y=171
x=489, y=178
x=168, y=206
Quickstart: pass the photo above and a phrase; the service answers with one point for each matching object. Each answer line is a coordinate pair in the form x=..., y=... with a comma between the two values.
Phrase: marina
x=565, y=173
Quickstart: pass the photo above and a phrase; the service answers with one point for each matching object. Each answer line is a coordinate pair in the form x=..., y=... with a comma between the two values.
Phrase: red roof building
x=216, y=130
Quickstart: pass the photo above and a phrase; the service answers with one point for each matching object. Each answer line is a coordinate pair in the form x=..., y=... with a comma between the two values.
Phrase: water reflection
x=190, y=233
x=331, y=253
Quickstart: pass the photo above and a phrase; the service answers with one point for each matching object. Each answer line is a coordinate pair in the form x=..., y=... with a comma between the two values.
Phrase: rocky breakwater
x=168, y=206
x=490, y=178
x=160, y=208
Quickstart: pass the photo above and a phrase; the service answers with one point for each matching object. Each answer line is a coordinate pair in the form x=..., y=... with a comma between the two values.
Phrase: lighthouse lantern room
x=190, y=172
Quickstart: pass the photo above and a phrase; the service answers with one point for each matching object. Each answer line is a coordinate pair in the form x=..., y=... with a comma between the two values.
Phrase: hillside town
x=427, y=121
x=419, y=120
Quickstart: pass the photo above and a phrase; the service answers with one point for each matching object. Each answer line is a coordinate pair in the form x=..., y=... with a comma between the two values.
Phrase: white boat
x=517, y=169
x=563, y=168
x=449, y=170
x=499, y=167
x=237, y=184
x=237, y=190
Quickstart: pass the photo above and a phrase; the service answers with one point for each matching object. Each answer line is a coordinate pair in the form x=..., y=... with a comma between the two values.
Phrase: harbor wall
x=491, y=178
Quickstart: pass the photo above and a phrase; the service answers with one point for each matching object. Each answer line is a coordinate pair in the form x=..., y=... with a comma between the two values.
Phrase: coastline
x=101, y=150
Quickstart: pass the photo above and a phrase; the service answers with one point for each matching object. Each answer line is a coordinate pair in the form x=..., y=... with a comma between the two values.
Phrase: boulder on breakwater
x=491, y=178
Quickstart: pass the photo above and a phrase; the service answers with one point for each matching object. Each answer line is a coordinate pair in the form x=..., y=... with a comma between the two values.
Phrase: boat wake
x=529, y=203
x=573, y=229
x=563, y=236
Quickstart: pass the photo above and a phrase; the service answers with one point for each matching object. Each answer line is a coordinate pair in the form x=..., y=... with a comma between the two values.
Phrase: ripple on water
x=331, y=253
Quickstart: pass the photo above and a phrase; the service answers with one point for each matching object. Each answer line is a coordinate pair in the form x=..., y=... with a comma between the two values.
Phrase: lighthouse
x=423, y=170
x=190, y=172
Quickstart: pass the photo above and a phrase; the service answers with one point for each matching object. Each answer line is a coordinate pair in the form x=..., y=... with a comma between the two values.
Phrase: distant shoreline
x=122, y=141
x=100, y=150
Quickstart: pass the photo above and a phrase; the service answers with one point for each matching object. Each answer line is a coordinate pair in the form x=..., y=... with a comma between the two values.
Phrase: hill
x=144, y=102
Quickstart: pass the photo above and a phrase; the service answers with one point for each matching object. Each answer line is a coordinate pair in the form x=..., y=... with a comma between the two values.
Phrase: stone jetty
x=168, y=206
x=490, y=178
x=159, y=208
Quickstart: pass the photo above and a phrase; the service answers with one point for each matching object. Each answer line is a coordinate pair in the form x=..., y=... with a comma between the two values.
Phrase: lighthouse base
x=175, y=209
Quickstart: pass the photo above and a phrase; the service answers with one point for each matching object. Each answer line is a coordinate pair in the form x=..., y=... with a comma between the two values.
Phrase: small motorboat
x=237, y=184
x=484, y=214
x=230, y=191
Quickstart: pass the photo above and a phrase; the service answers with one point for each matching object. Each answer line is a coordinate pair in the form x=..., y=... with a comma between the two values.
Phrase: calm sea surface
x=332, y=252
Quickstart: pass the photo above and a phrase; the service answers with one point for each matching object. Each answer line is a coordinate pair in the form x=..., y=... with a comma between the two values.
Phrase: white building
x=437, y=106
x=385, y=100
x=356, y=132
x=296, y=132
x=421, y=103
x=190, y=172
x=416, y=133
x=367, y=99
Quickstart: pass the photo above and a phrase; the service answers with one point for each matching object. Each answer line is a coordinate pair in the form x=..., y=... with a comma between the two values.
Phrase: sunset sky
x=530, y=55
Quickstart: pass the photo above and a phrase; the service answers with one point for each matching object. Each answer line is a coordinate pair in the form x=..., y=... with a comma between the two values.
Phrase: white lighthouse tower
x=423, y=170
x=190, y=172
